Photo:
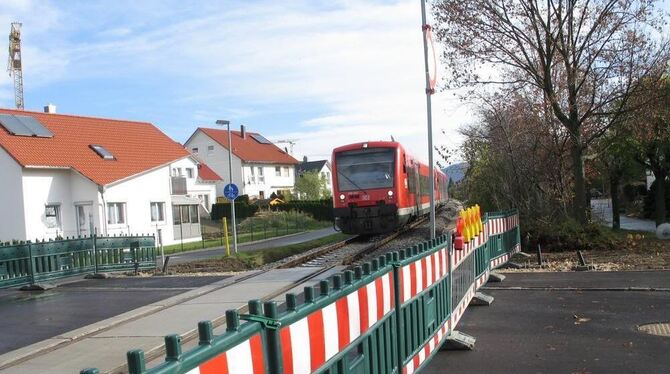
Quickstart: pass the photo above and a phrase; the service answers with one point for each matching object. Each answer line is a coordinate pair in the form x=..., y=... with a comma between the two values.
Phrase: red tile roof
x=207, y=174
x=248, y=149
x=137, y=146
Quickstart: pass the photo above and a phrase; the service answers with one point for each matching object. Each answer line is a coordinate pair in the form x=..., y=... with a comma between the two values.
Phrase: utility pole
x=14, y=63
x=430, y=90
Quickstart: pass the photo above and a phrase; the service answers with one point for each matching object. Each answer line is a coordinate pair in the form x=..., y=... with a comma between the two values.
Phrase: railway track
x=347, y=251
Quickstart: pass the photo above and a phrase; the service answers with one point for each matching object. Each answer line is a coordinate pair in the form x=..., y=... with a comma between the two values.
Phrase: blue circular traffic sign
x=230, y=191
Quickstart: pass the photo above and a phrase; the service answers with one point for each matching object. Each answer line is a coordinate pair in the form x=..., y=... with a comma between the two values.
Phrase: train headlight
x=390, y=193
x=341, y=196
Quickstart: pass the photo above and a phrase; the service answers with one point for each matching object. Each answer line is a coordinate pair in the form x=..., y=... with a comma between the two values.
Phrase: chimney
x=304, y=158
x=243, y=132
x=49, y=108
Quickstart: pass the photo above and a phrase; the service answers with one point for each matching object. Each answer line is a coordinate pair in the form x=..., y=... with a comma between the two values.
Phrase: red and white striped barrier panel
x=435, y=341
x=482, y=279
x=457, y=313
x=504, y=258
x=423, y=273
x=500, y=225
x=244, y=358
x=311, y=341
x=428, y=349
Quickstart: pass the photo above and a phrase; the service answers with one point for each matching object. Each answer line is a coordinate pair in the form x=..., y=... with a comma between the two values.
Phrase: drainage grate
x=660, y=329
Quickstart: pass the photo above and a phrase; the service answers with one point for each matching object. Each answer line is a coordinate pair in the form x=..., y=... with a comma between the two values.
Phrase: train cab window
x=368, y=168
x=404, y=164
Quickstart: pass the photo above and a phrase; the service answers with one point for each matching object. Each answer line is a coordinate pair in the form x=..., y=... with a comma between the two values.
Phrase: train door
x=417, y=189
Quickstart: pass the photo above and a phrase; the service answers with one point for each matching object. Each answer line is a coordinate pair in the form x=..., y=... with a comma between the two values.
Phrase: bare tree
x=585, y=58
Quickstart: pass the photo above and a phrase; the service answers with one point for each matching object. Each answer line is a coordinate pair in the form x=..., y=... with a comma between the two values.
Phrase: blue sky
x=324, y=72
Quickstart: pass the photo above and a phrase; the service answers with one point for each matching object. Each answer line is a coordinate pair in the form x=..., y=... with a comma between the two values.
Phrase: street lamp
x=223, y=122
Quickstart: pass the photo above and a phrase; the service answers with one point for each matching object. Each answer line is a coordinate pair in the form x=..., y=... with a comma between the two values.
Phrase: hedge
x=321, y=210
x=242, y=210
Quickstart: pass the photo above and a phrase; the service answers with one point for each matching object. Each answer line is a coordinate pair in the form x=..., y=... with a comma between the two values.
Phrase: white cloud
x=356, y=67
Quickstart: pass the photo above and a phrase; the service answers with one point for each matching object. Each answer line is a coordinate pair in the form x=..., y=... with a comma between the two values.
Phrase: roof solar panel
x=260, y=138
x=24, y=126
x=14, y=126
x=35, y=126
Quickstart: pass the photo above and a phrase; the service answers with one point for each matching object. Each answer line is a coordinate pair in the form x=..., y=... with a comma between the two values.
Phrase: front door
x=83, y=212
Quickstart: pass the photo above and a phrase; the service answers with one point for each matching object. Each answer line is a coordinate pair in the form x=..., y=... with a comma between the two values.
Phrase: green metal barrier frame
x=27, y=262
x=387, y=346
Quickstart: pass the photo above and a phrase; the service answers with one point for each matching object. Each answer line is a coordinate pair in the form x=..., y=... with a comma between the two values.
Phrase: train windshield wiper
x=352, y=182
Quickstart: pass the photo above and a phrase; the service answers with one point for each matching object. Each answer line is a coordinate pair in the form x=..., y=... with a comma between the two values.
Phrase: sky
x=323, y=73
x=326, y=73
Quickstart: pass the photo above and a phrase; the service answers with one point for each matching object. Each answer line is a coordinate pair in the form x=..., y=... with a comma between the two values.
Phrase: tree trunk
x=579, y=198
x=614, y=191
x=660, y=212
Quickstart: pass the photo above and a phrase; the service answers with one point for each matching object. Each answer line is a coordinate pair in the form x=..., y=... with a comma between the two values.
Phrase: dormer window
x=102, y=152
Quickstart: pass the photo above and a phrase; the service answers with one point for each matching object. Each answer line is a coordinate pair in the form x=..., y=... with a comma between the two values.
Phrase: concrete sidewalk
x=104, y=344
x=534, y=326
x=602, y=209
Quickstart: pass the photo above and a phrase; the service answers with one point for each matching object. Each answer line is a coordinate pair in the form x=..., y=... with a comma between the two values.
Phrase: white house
x=322, y=167
x=259, y=167
x=67, y=175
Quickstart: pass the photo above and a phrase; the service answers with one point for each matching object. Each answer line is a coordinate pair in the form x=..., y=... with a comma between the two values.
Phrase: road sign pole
x=230, y=172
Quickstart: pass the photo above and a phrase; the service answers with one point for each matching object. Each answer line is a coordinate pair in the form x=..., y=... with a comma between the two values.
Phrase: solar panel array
x=260, y=138
x=24, y=126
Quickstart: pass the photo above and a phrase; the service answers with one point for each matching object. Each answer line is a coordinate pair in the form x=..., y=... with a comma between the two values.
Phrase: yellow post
x=225, y=232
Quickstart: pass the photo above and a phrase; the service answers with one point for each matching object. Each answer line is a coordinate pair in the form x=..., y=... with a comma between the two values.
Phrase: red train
x=378, y=187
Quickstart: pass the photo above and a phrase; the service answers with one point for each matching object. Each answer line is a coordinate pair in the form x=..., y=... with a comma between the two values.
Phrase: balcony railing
x=179, y=186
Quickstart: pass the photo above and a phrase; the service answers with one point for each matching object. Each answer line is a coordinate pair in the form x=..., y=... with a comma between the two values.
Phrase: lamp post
x=230, y=174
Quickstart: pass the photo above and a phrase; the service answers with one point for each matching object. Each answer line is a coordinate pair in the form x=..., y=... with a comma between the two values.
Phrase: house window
x=157, y=212
x=285, y=171
x=116, y=213
x=261, y=178
x=195, y=150
x=252, y=177
x=176, y=172
x=278, y=171
x=176, y=215
x=52, y=215
x=204, y=199
x=189, y=173
x=193, y=210
x=210, y=150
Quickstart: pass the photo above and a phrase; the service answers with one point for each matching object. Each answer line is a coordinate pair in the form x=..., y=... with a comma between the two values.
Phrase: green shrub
x=569, y=235
x=320, y=210
x=242, y=210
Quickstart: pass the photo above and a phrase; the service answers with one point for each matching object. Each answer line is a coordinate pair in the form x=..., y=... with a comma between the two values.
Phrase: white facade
x=261, y=180
x=258, y=180
x=11, y=199
x=47, y=203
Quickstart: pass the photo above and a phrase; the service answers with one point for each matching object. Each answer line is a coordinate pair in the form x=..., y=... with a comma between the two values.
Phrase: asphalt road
x=30, y=317
x=203, y=254
x=535, y=330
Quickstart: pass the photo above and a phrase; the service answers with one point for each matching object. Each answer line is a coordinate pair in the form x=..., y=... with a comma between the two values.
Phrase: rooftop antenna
x=290, y=142
x=14, y=63
x=392, y=139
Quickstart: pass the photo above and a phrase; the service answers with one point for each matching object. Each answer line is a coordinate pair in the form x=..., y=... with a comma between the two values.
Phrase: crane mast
x=14, y=63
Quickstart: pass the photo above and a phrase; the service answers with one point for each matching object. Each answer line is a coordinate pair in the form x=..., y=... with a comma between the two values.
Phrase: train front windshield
x=364, y=169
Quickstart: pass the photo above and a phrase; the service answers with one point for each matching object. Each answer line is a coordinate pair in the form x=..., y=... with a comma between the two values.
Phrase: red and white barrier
x=308, y=343
x=244, y=358
x=423, y=273
x=427, y=350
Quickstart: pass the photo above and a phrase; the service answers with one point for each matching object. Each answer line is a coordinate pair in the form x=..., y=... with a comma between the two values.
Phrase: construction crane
x=14, y=63
x=290, y=142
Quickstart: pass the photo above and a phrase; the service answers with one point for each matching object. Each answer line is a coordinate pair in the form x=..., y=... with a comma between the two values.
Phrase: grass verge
x=252, y=260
